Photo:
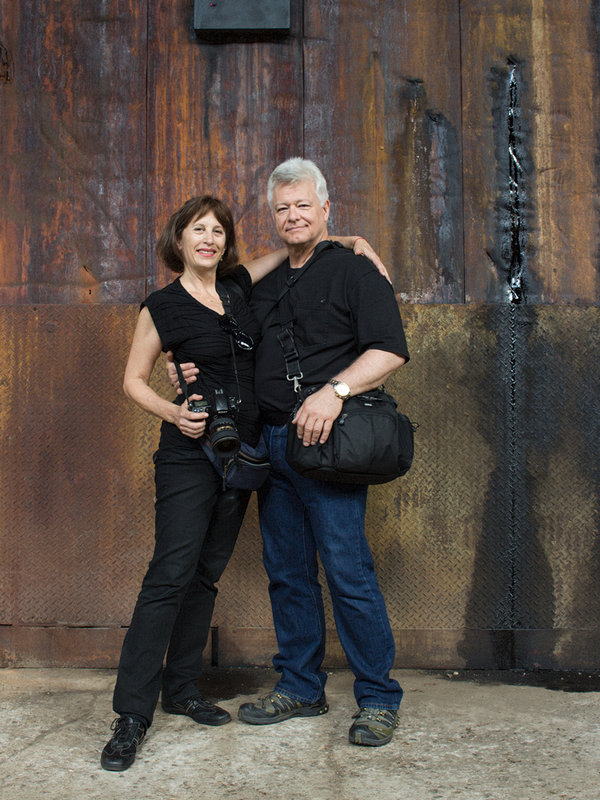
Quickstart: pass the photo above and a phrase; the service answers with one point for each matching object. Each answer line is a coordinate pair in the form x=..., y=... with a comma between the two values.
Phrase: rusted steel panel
x=425, y=527
x=490, y=541
x=535, y=558
x=487, y=551
x=222, y=116
x=561, y=573
x=60, y=646
x=530, y=130
x=86, y=184
x=72, y=200
x=30, y=646
x=478, y=567
x=76, y=476
x=382, y=117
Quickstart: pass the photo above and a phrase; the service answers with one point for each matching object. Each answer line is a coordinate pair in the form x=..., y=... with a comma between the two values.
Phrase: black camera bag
x=370, y=442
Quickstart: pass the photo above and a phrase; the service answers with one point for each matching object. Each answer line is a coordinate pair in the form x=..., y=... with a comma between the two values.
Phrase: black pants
x=196, y=529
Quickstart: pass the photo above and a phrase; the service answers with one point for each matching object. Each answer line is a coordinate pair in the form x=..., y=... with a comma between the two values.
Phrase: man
x=349, y=337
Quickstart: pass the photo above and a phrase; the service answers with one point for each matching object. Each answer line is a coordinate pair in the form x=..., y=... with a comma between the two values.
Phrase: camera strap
x=182, y=384
x=227, y=306
x=224, y=295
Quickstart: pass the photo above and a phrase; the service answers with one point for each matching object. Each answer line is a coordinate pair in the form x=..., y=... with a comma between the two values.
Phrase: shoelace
x=126, y=731
x=379, y=715
x=280, y=702
x=192, y=702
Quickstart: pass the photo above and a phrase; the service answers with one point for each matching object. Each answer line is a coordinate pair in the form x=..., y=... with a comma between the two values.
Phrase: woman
x=197, y=522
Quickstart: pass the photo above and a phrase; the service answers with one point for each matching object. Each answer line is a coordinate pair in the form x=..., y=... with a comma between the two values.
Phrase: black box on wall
x=211, y=16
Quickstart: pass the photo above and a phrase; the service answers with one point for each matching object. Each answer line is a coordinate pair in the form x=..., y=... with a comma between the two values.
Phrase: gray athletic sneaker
x=373, y=726
x=276, y=706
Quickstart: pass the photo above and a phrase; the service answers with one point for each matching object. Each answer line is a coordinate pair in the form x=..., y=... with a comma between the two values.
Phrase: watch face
x=341, y=389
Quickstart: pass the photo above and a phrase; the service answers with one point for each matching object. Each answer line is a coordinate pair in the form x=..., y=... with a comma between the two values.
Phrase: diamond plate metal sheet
x=76, y=496
x=487, y=551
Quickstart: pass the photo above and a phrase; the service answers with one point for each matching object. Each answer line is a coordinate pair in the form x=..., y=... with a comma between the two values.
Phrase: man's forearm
x=318, y=412
x=369, y=370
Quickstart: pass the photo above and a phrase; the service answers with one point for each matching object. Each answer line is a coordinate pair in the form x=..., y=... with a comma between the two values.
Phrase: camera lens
x=224, y=438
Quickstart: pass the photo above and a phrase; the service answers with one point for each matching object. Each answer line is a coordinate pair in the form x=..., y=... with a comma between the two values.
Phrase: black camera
x=221, y=430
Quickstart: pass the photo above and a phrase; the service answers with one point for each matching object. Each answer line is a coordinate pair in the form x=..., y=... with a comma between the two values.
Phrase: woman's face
x=203, y=243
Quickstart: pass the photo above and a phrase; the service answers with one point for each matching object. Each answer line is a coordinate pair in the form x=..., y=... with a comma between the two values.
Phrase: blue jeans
x=300, y=517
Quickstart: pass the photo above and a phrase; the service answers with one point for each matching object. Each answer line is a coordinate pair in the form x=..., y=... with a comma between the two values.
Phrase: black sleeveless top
x=192, y=331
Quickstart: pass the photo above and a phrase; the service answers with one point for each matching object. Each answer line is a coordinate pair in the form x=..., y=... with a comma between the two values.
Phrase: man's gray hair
x=295, y=170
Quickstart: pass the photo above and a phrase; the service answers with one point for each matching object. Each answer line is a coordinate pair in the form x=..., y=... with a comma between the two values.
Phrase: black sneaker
x=200, y=710
x=373, y=726
x=119, y=753
x=275, y=707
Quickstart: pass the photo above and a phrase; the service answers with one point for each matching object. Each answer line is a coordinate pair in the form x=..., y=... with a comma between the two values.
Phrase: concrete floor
x=459, y=737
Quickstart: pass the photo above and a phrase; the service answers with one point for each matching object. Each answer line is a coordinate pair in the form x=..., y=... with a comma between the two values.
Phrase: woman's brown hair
x=167, y=246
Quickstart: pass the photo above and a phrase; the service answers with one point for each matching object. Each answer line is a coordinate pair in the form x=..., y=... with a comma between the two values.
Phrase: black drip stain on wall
x=513, y=585
x=538, y=407
x=514, y=176
x=427, y=169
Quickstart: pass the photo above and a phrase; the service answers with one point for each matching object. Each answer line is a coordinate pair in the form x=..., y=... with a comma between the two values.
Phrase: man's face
x=299, y=217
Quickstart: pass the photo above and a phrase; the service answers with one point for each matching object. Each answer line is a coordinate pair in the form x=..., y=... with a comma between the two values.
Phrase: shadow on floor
x=555, y=680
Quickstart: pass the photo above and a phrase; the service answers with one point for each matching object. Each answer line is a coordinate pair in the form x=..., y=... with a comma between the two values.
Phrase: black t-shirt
x=192, y=331
x=341, y=308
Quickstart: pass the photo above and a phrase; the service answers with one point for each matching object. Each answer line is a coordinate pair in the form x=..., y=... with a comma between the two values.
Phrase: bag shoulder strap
x=286, y=284
x=286, y=316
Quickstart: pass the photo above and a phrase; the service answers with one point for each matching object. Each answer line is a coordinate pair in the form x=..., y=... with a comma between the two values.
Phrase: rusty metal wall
x=460, y=137
x=530, y=110
x=486, y=551
x=73, y=218
x=116, y=115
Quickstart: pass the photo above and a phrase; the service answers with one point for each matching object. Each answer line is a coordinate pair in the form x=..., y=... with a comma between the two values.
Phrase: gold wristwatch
x=341, y=389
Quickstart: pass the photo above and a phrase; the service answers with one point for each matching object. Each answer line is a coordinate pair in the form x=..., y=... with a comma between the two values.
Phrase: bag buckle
x=296, y=380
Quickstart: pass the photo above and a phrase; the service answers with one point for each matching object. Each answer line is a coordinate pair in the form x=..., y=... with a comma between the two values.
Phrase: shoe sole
x=370, y=742
x=213, y=723
x=110, y=768
x=296, y=712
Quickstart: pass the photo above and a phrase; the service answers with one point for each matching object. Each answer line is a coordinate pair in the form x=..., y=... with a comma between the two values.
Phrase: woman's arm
x=316, y=415
x=360, y=247
x=259, y=267
x=145, y=350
